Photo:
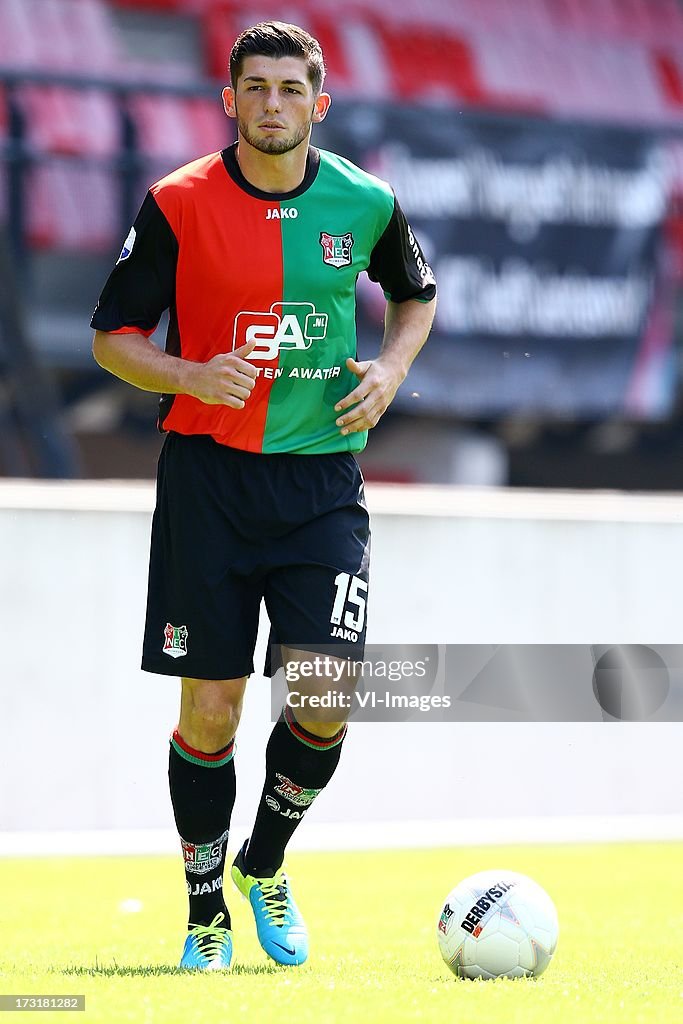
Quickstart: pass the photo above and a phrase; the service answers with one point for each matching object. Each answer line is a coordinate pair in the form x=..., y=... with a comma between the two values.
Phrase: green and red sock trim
x=187, y=752
x=317, y=742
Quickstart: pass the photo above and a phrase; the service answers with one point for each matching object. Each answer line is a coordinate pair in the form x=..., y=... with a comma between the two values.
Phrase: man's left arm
x=406, y=327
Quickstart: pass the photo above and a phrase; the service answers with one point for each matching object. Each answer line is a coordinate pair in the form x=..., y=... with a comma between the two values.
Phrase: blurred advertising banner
x=547, y=243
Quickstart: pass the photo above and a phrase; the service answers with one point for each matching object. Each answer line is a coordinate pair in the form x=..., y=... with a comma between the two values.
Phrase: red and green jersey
x=233, y=264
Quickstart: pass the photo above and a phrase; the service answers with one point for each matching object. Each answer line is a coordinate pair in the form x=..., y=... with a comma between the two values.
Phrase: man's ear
x=228, y=95
x=321, y=106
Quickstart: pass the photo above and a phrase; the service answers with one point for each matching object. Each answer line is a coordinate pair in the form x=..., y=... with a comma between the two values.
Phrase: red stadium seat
x=73, y=35
x=211, y=129
x=72, y=207
x=73, y=121
x=60, y=35
x=507, y=73
x=163, y=128
x=441, y=65
x=669, y=69
x=220, y=25
x=173, y=130
x=332, y=35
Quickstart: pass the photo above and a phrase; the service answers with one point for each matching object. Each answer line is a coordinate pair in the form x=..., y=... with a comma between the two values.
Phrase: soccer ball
x=498, y=924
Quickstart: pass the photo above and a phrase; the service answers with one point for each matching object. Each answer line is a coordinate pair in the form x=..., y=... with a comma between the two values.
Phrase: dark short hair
x=278, y=39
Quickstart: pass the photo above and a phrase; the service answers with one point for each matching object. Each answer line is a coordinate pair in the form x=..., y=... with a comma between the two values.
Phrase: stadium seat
x=176, y=130
x=506, y=72
x=59, y=120
x=337, y=38
x=220, y=25
x=61, y=35
x=445, y=61
x=74, y=35
x=72, y=208
x=367, y=61
x=669, y=70
x=211, y=128
x=163, y=128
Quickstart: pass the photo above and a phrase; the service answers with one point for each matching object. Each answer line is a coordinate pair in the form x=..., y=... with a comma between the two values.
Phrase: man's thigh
x=316, y=606
x=202, y=607
x=318, y=600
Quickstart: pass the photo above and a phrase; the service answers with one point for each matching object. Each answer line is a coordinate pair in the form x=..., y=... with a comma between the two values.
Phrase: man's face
x=274, y=103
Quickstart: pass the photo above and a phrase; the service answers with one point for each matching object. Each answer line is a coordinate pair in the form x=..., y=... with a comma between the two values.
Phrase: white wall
x=84, y=737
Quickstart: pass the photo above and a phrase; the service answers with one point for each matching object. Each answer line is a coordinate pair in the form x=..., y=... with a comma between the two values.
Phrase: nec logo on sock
x=286, y=325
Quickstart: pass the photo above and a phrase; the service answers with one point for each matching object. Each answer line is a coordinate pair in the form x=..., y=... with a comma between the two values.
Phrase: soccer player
x=255, y=252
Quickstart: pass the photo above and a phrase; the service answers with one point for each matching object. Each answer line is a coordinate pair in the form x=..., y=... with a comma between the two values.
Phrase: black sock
x=203, y=794
x=298, y=766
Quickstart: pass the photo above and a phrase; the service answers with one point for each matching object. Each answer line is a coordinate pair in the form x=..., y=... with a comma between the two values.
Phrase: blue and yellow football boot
x=208, y=947
x=279, y=925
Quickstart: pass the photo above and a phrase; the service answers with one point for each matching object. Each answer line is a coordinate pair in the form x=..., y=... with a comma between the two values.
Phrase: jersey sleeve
x=142, y=284
x=398, y=264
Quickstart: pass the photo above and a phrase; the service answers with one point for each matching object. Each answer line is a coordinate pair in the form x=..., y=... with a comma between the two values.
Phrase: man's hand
x=227, y=379
x=379, y=381
x=406, y=326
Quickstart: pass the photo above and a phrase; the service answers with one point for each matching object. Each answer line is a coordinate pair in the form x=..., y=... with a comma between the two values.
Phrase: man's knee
x=210, y=711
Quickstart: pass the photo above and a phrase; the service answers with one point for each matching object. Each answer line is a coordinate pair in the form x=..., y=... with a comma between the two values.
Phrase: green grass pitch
x=374, y=957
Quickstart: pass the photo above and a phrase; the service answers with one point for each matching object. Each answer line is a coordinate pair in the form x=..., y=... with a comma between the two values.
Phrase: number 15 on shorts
x=349, y=602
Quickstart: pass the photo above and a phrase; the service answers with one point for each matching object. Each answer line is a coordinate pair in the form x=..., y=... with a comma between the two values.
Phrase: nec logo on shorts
x=286, y=326
x=175, y=641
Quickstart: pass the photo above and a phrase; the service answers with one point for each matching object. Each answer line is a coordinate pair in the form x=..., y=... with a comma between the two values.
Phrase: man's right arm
x=227, y=379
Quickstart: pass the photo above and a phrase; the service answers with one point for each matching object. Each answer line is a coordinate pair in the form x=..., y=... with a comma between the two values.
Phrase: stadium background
x=537, y=149
x=536, y=146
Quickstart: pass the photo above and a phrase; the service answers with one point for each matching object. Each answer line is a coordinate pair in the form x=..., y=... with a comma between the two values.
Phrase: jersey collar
x=231, y=165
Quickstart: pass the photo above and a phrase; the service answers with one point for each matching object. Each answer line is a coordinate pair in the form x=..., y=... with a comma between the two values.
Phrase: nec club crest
x=297, y=795
x=175, y=641
x=337, y=249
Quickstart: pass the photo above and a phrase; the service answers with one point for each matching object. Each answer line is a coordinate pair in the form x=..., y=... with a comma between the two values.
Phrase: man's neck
x=269, y=173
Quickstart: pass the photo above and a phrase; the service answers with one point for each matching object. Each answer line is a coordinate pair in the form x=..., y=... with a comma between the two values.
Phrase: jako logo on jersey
x=287, y=325
x=337, y=249
x=127, y=247
x=285, y=213
x=175, y=641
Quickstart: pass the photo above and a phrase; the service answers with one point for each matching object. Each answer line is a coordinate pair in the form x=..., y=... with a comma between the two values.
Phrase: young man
x=255, y=251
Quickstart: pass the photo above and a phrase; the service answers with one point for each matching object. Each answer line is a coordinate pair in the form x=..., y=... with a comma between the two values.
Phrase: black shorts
x=233, y=527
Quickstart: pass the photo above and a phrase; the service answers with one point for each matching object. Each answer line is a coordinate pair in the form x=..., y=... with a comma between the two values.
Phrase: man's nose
x=272, y=100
